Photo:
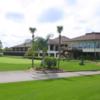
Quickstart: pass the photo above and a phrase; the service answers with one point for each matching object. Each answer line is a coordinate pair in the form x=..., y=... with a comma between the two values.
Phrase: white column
x=48, y=50
x=48, y=47
x=54, y=48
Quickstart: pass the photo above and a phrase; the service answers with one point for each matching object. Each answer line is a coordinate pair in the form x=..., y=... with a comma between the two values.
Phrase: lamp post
x=59, y=30
x=32, y=30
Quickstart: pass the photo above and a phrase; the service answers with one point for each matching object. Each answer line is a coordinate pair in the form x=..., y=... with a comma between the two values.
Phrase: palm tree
x=59, y=30
x=32, y=30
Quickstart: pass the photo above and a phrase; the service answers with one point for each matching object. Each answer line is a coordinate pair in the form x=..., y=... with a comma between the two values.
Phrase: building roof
x=56, y=40
x=64, y=39
x=23, y=45
x=88, y=36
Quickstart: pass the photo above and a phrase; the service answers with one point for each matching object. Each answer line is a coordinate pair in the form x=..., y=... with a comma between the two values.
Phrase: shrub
x=82, y=60
x=50, y=62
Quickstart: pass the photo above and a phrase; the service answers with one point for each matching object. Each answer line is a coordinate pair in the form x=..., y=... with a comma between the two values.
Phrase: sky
x=76, y=16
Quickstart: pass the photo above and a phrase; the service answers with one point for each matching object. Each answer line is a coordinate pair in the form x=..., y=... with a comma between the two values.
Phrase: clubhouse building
x=18, y=50
x=53, y=45
x=89, y=44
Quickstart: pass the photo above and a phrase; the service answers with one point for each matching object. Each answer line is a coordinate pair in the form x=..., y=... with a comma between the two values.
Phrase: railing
x=15, y=51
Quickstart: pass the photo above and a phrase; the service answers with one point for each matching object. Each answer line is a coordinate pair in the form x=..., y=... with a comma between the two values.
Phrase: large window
x=56, y=47
x=87, y=44
x=98, y=44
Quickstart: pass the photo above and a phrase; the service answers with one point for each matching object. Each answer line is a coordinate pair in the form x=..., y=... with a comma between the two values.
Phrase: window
x=56, y=48
x=51, y=47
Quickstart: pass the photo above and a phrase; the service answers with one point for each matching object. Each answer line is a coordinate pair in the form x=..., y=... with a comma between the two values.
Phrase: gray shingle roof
x=56, y=40
x=23, y=45
x=88, y=36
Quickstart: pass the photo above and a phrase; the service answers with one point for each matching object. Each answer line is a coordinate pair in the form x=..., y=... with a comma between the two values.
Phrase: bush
x=50, y=62
x=82, y=60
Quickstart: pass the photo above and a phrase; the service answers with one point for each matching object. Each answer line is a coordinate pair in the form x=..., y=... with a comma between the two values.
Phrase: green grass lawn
x=79, y=88
x=15, y=63
x=73, y=65
x=20, y=63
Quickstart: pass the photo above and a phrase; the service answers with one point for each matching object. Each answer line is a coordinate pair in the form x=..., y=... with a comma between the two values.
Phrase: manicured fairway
x=79, y=88
x=15, y=63
x=19, y=63
x=73, y=65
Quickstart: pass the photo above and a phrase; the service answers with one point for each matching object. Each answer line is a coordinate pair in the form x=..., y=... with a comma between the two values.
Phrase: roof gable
x=56, y=40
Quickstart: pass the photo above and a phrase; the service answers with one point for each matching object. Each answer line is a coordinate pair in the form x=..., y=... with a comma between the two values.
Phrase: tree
x=32, y=30
x=59, y=30
x=42, y=44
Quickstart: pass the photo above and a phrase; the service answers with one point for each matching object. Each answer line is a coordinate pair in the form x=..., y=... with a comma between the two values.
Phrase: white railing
x=91, y=49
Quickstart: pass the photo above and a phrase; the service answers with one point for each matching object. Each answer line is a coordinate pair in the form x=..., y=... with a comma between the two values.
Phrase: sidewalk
x=17, y=76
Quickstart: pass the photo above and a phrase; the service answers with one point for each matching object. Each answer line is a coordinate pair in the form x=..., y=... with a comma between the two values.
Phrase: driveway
x=17, y=76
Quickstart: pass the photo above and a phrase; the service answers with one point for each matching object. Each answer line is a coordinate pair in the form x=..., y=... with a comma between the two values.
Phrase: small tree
x=59, y=30
x=82, y=60
x=50, y=62
x=32, y=30
x=42, y=44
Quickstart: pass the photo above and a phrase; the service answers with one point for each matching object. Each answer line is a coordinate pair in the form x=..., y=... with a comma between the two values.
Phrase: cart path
x=17, y=76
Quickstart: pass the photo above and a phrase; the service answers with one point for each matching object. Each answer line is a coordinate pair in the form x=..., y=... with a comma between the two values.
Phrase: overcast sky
x=77, y=16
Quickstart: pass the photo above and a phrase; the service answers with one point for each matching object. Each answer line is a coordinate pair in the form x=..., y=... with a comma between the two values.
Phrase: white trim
x=91, y=50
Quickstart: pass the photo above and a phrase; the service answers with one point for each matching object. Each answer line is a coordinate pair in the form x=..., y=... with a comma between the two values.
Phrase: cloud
x=71, y=2
x=77, y=17
x=51, y=15
x=13, y=16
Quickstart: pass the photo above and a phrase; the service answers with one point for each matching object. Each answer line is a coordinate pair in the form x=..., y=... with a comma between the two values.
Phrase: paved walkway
x=16, y=76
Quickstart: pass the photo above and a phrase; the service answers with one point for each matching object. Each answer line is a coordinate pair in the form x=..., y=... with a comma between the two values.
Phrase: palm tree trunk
x=43, y=59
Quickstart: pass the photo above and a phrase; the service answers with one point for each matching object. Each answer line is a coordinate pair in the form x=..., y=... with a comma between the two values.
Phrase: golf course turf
x=20, y=63
x=75, y=88
x=79, y=88
x=15, y=63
